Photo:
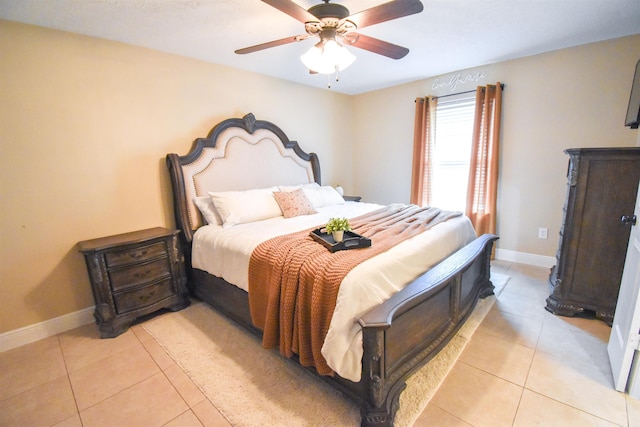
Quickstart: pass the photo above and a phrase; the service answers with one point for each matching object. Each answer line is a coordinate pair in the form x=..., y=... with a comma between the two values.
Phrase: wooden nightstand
x=134, y=274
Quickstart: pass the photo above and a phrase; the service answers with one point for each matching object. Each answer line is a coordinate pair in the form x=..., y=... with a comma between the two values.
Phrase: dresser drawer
x=139, y=254
x=128, y=301
x=139, y=274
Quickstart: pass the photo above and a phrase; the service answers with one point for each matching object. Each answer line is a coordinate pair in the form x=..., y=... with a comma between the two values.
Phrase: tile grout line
x=66, y=369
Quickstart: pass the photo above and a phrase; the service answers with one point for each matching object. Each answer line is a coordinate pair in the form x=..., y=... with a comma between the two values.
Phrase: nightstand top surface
x=133, y=237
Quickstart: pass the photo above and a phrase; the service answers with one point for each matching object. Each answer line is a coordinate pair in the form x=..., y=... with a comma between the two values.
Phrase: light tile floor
x=523, y=367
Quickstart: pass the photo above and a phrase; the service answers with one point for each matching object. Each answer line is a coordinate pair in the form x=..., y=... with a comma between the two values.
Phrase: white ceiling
x=449, y=35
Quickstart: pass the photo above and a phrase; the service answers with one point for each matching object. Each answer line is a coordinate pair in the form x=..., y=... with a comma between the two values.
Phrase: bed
x=430, y=282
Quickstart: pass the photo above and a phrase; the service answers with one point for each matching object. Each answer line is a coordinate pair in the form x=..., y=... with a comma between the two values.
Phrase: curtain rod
x=454, y=94
x=461, y=93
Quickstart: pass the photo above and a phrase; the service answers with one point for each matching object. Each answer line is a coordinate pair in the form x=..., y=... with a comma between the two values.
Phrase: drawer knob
x=145, y=298
x=628, y=219
x=142, y=274
x=139, y=254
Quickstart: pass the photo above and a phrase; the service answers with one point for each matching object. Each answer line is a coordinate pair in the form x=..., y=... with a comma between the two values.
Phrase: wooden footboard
x=409, y=329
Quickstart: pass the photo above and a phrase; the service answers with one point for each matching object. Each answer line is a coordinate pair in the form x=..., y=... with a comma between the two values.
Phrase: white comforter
x=225, y=252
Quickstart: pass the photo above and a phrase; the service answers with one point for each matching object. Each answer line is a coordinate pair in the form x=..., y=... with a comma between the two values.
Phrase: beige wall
x=573, y=97
x=85, y=125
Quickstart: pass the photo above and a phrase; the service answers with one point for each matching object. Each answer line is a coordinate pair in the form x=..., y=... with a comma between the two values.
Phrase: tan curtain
x=483, y=169
x=423, y=139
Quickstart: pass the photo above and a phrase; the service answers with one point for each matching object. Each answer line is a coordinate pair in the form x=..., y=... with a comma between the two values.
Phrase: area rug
x=252, y=386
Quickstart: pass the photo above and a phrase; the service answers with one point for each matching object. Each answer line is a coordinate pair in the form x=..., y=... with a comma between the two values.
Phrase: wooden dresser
x=134, y=274
x=601, y=190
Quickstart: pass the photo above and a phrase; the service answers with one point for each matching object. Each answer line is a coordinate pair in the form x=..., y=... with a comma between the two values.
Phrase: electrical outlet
x=542, y=233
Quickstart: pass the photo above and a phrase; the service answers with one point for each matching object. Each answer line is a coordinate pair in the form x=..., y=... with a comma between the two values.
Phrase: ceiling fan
x=336, y=27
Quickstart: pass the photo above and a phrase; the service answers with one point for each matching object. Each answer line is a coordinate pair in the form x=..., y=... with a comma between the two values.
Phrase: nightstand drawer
x=139, y=274
x=132, y=255
x=128, y=301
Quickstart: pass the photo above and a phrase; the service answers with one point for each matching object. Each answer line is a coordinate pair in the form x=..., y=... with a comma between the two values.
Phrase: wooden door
x=625, y=333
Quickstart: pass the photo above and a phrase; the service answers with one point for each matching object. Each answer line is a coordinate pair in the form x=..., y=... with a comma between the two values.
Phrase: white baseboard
x=525, y=258
x=29, y=334
x=38, y=331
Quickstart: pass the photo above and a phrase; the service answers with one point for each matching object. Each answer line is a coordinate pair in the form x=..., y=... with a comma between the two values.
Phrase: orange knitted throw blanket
x=294, y=280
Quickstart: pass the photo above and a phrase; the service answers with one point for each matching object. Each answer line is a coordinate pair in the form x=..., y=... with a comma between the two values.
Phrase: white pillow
x=287, y=188
x=208, y=210
x=239, y=207
x=323, y=196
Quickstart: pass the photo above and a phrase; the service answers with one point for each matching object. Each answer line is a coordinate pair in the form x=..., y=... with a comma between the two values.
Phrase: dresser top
x=604, y=150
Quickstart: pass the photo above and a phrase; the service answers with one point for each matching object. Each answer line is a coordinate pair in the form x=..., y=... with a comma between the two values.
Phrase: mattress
x=225, y=252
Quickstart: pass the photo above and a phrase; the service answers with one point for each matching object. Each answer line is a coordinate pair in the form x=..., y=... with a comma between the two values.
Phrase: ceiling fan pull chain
x=337, y=74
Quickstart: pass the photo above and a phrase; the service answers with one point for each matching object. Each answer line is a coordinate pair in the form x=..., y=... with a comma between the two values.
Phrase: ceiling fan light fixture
x=327, y=57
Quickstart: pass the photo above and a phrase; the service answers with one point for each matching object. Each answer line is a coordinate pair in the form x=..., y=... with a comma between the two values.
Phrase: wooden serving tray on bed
x=351, y=240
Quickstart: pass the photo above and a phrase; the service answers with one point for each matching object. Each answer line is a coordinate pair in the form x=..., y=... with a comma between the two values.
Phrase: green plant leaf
x=337, y=224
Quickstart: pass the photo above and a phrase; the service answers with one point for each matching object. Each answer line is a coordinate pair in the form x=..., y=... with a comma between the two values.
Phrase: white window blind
x=452, y=151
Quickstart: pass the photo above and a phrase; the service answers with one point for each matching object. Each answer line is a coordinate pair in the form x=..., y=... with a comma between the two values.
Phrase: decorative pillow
x=294, y=203
x=239, y=207
x=323, y=196
x=295, y=187
x=208, y=210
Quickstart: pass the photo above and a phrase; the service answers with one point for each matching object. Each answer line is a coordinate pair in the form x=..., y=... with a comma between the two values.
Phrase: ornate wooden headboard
x=238, y=154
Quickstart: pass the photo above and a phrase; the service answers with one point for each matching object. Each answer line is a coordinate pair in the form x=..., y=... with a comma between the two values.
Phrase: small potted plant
x=337, y=227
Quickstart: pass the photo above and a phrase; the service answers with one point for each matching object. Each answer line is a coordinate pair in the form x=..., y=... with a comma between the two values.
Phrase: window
x=452, y=151
x=454, y=143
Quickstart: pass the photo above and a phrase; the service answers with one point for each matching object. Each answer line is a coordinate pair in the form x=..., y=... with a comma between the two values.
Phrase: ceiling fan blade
x=386, y=12
x=273, y=43
x=378, y=46
x=292, y=9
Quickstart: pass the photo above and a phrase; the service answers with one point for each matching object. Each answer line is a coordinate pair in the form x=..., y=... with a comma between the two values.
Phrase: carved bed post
x=381, y=405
